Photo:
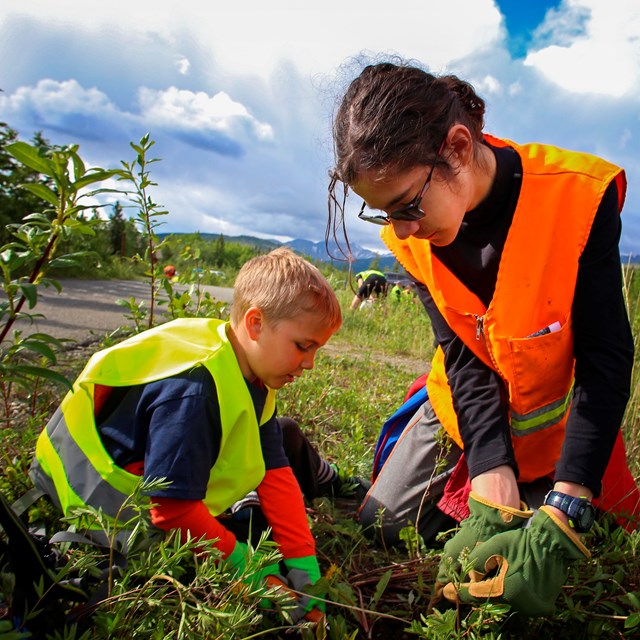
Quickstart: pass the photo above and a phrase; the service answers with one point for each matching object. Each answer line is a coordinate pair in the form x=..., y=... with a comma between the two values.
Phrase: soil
x=416, y=366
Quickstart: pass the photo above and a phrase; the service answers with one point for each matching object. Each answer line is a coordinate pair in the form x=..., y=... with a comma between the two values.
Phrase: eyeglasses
x=410, y=212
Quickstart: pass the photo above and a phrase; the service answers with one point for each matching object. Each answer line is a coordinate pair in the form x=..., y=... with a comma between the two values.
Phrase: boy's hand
x=302, y=573
x=237, y=560
x=303, y=610
x=525, y=568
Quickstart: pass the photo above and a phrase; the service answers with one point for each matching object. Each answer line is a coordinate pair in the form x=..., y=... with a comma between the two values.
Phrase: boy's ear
x=253, y=322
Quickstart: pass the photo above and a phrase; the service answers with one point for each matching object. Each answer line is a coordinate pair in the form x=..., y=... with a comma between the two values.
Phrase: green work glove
x=485, y=520
x=237, y=560
x=525, y=568
x=302, y=573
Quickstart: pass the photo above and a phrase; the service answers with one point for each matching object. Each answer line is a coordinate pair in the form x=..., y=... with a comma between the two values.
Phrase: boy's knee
x=289, y=426
x=292, y=437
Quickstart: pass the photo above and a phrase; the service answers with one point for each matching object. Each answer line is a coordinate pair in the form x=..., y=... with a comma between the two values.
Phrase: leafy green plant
x=148, y=213
x=25, y=261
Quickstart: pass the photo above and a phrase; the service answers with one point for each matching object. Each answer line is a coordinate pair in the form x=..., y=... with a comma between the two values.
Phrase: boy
x=193, y=401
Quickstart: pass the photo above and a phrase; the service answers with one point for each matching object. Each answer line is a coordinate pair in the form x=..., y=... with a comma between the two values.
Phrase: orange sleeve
x=283, y=506
x=193, y=517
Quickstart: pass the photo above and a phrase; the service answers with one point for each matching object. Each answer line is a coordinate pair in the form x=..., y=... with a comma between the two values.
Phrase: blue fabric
x=392, y=429
x=173, y=425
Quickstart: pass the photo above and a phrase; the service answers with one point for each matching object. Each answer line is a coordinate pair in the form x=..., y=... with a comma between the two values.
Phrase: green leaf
x=95, y=176
x=7, y=255
x=78, y=165
x=632, y=621
x=43, y=372
x=37, y=347
x=633, y=599
x=37, y=217
x=45, y=337
x=381, y=586
x=30, y=292
x=50, y=282
x=30, y=157
x=42, y=191
x=62, y=263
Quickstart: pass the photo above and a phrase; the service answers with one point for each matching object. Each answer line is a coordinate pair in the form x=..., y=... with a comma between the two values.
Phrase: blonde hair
x=283, y=285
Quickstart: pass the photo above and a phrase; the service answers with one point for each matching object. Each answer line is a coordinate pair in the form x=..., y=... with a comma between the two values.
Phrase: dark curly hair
x=393, y=117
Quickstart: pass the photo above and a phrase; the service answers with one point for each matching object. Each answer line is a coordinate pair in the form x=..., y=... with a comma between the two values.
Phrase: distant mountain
x=362, y=257
x=314, y=250
x=318, y=250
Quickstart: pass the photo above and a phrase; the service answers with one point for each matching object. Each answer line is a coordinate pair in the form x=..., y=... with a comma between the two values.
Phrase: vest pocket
x=541, y=377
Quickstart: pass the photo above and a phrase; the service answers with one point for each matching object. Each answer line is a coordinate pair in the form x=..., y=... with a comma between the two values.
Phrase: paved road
x=87, y=308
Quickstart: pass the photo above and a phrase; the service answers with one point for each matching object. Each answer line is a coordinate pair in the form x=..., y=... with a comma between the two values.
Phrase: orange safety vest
x=560, y=194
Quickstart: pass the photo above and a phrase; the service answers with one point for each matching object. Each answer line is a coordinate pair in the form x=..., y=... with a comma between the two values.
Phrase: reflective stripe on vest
x=523, y=424
x=71, y=463
x=85, y=485
x=534, y=289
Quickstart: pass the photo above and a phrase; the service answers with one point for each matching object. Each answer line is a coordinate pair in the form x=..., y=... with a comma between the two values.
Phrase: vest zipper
x=479, y=326
x=480, y=332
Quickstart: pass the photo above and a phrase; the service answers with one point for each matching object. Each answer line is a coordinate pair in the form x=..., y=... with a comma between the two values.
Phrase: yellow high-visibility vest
x=71, y=463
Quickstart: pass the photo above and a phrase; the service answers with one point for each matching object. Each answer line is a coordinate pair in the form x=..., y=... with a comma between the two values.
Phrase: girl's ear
x=253, y=322
x=460, y=141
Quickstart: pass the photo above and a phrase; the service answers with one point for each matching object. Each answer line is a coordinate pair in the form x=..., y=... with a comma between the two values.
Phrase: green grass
x=359, y=379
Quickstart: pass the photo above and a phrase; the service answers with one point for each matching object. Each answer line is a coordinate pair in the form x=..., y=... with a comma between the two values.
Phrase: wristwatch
x=580, y=511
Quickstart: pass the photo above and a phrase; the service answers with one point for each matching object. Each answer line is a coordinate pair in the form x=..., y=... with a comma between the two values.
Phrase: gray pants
x=413, y=479
x=411, y=482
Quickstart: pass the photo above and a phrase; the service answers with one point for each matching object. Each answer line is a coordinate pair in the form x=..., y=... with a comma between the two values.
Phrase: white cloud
x=64, y=107
x=238, y=96
x=254, y=36
x=197, y=111
x=591, y=46
x=489, y=84
x=183, y=65
x=51, y=99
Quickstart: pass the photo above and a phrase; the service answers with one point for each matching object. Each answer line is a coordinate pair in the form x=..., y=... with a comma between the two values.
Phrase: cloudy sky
x=239, y=95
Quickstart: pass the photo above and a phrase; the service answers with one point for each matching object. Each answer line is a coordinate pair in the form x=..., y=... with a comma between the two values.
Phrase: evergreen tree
x=219, y=251
x=117, y=231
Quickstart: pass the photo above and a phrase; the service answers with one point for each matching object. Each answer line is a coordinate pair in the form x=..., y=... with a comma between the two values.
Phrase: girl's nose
x=405, y=228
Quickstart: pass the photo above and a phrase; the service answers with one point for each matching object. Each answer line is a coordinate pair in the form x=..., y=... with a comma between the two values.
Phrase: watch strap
x=572, y=506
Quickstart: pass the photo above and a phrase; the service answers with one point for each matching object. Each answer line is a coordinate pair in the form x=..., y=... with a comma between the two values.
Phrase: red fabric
x=455, y=498
x=417, y=384
x=282, y=504
x=193, y=517
x=620, y=494
x=100, y=395
x=137, y=468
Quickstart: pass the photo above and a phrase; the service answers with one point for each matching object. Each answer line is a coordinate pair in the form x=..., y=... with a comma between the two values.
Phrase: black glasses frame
x=410, y=212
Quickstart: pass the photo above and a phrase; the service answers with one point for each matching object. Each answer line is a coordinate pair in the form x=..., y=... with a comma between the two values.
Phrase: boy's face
x=280, y=353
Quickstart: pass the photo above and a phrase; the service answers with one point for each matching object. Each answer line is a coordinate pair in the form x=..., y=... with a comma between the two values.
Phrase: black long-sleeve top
x=603, y=344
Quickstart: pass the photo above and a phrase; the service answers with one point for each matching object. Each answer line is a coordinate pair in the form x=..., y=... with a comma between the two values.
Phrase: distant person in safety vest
x=193, y=401
x=514, y=249
x=371, y=284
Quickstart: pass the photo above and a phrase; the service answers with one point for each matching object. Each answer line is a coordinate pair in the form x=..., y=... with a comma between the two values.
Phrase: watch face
x=585, y=518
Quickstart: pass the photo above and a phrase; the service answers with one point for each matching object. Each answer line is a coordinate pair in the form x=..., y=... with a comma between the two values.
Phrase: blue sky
x=239, y=96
